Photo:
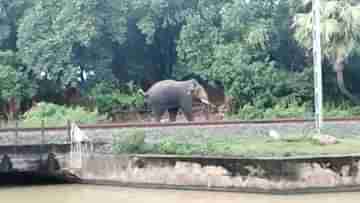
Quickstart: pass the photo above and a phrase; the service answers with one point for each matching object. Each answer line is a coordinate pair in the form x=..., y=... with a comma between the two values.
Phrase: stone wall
x=225, y=174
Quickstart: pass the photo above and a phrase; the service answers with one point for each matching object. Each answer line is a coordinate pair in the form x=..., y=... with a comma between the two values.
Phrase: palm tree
x=340, y=33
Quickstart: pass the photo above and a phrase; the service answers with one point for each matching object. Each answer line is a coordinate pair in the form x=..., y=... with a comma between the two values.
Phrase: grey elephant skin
x=172, y=95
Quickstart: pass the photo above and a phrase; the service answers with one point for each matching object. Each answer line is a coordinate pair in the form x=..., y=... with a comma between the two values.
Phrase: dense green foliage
x=110, y=100
x=296, y=110
x=259, y=50
x=13, y=82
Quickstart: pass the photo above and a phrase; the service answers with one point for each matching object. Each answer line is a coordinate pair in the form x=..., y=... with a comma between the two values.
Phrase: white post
x=317, y=65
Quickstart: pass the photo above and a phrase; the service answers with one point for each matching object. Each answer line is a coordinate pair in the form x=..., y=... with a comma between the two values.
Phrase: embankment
x=259, y=175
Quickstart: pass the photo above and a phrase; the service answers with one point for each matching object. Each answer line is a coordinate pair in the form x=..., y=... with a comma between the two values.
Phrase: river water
x=107, y=194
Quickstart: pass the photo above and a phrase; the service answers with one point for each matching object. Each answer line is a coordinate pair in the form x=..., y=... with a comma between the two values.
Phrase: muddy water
x=103, y=194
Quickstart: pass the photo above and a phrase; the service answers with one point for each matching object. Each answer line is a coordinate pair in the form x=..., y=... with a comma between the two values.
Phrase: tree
x=60, y=40
x=340, y=32
x=160, y=21
x=199, y=37
x=15, y=85
x=243, y=44
x=11, y=12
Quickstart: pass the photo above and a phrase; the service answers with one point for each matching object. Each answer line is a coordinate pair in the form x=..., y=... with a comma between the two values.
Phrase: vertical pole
x=16, y=135
x=42, y=132
x=317, y=65
x=69, y=131
x=70, y=141
x=42, y=138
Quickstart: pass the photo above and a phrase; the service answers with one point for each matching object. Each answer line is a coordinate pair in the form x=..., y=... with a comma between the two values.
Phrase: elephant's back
x=163, y=86
x=165, y=91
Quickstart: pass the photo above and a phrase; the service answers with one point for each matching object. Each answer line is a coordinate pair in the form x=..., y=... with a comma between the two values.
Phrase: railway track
x=184, y=124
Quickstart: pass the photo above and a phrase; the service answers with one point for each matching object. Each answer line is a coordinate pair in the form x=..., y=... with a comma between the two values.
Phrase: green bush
x=257, y=81
x=291, y=110
x=249, y=112
x=295, y=110
x=57, y=115
x=167, y=146
x=109, y=98
x=341, y=111
x=132, y=143
x=170, y=146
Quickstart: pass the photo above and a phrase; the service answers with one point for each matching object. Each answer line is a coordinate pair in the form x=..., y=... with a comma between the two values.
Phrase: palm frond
x=340, y=27
x=330, y=30
x=330, y=9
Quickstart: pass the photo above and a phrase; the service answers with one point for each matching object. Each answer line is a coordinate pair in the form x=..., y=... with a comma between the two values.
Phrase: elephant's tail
x=140, y=91
x=145, y=94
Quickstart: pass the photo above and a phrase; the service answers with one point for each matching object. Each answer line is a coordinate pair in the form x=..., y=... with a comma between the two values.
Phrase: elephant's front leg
x=172, y=114
x=158, y=112
x=189, y=116
x=187, y=110
x=206, y=111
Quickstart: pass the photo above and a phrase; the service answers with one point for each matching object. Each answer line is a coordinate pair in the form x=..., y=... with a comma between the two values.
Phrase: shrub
x=257, y=81
x=249, y=112
x=57, y=115
x=170, y=146
x=167, y=146
x=109, y=98
x=295, y=110
x=341, y=111
x=132, y=143
x=292, y=110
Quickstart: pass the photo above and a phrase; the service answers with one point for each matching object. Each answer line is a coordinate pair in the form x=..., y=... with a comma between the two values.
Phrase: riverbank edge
x=114, y=183
x=280, y=176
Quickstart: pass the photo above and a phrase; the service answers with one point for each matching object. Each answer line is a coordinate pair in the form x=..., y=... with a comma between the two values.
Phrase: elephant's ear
x=191, y=87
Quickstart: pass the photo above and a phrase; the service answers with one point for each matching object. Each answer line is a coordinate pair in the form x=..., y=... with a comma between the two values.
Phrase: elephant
x=172, y=95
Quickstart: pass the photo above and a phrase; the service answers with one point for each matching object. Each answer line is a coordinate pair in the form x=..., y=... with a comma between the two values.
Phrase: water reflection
x=103, y=194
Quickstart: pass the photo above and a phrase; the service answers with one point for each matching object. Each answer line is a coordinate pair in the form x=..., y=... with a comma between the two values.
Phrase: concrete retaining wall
x=255, y=175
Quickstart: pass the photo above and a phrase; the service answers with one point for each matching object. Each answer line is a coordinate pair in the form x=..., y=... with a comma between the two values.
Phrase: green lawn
x=267, y=147
x=245, y=147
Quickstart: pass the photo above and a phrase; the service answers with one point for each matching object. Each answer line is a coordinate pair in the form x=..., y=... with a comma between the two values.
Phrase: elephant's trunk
x=204, y=98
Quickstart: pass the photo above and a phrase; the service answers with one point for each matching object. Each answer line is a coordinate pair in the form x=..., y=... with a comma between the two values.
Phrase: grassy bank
x=245, y=147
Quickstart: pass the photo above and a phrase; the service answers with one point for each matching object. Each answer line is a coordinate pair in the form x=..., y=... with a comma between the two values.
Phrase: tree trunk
x=339, y=69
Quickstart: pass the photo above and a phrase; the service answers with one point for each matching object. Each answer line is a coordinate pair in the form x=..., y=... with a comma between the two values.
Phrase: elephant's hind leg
x=158, y=113
x=173, y=113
